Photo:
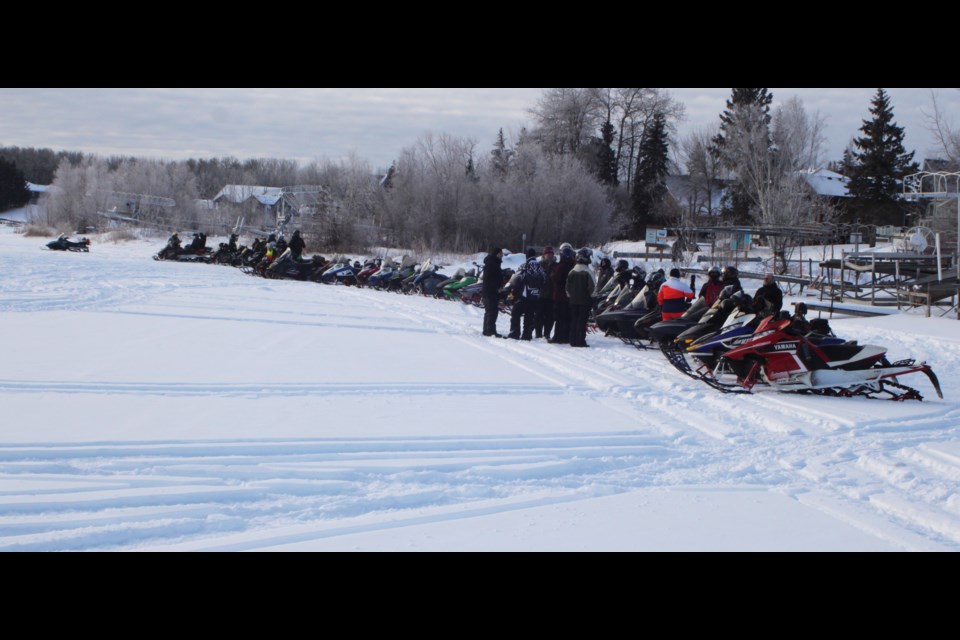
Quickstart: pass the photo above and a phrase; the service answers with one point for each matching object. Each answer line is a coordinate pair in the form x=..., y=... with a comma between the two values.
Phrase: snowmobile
x=665, y=332
x=196, y=251
x=619, y=321
x=285, y=266
x=394, y=282
x=369, y=268
x=781, y=356
x=340, y=273
x=63, y=243
x=228, y=252
x=703, y=354
x=452, y=291
x=379, y=279
x=427, y=280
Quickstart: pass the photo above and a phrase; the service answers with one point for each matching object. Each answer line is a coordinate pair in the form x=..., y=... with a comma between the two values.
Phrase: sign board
x=656, y=235
x=740, y=242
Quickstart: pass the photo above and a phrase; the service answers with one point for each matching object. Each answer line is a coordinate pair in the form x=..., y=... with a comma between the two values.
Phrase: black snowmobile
x=63, y=243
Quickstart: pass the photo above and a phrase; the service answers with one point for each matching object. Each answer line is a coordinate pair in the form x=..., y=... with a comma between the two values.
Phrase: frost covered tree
x=945, y=131
x=748, y=110
x=566, y=120
x=703, y=168
x=768, y=162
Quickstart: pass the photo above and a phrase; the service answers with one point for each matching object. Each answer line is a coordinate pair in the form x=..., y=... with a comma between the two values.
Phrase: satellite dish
x=918, y=240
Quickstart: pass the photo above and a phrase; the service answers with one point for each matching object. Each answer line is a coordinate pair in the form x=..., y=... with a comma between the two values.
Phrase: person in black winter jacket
x=297, y=245
x=529, y=281
x=769, y=297
x=544, y=320
x=490, y=291
x=731, y=277
x=561, y=307
x=604, y=272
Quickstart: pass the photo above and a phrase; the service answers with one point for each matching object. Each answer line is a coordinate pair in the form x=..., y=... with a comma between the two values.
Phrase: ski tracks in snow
x=895, y=477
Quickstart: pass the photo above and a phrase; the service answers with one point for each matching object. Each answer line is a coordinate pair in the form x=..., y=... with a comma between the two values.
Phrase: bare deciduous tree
x=944, y=129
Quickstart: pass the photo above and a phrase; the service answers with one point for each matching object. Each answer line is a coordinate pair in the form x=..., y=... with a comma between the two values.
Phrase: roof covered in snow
x=238, y=193
x=827, y=183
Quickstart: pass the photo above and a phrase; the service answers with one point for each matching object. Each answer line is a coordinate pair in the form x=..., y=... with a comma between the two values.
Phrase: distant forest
x=595, y=164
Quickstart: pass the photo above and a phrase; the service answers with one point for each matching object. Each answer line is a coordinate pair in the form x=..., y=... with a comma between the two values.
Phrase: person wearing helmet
x=730, y=276
x=769, y=297
x=673, y=296
x=622, y=274
x=579, y=289
x=561, y=307
x=544, y=322
x=711, y=289
x=604, y=272
x=530, y=279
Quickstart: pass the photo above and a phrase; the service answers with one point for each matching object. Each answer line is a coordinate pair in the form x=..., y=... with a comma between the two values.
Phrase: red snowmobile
x=782, y=357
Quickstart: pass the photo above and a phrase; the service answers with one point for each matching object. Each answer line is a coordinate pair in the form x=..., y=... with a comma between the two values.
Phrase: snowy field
x=161, y=406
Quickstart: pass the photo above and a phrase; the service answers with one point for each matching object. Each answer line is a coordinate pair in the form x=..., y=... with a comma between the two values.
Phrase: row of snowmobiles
x=733, y=345
x=736, y=346
x=273, y=259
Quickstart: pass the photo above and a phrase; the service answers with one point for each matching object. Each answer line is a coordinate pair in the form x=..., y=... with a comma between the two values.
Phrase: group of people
x=553, y=295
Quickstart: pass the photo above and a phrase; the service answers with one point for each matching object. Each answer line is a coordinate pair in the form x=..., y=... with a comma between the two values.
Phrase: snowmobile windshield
x=640, y=300
x=696, y=309
x=625, y=296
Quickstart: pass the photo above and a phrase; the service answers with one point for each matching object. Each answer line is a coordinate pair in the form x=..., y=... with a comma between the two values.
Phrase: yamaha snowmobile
x=782, y=357
x=703, y=355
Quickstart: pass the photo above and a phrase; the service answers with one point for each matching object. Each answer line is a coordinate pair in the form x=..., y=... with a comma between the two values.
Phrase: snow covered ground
x=160, y=406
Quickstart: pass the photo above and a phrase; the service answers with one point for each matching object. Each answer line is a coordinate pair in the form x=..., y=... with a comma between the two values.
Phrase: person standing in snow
x=529, y=281
x=490, y=290
x=579, y=289
x=545, y=308
x=561, y=308
x=673, y=296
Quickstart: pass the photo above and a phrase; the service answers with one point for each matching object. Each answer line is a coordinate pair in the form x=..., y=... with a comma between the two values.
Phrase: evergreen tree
x=501, y=156
x=650, y=185
x=471, y=171
x=606, y=157
x=879, y=162
x=13, y=186
x=741, y=98
x=387, y=181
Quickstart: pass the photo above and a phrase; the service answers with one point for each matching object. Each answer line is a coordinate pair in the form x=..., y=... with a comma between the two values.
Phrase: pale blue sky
x=375, y=124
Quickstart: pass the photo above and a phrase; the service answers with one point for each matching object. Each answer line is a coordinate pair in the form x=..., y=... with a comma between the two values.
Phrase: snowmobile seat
x=839, y=352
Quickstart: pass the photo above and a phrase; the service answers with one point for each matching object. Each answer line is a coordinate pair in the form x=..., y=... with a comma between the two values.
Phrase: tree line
x=592, y=165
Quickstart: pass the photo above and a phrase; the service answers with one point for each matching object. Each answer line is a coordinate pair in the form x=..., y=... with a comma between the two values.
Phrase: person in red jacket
x=673, y=296
x=711, y=289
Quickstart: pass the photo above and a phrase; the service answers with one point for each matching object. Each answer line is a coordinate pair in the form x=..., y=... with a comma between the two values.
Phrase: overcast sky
x=375, y=124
